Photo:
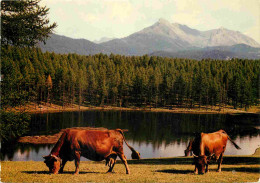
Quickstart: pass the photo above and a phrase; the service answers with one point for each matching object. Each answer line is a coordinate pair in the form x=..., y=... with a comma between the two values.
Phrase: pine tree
x=24, y=23
x=49, y=87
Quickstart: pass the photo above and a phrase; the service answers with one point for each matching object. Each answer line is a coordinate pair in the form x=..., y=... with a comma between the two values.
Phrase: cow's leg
x=111, y=161
x=112, y=164
x=77, y=161
x=220, y=159
x=196, y=170
x=123, y=158
x=207, y=168
x=64, y=161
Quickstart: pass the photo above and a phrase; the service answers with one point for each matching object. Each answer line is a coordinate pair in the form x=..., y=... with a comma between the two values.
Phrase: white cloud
x=114, y=18
x=154, y=4
x=194, y=14
x=88, y=17
x=62, y=14
x=254, y=32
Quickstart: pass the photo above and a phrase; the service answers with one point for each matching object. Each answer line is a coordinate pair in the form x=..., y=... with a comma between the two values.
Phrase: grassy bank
x=180, y=169
x=49, y=108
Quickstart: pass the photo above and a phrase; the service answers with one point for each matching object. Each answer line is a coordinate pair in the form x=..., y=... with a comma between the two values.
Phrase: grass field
x=180, y=169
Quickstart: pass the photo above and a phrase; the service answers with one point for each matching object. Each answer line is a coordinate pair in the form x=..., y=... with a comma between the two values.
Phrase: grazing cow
x=208, y=146
x=96, y=145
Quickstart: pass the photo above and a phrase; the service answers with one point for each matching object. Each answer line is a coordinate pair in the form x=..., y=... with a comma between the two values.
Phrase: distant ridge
x=218, y=53
x=164, y=38
x=63, y=44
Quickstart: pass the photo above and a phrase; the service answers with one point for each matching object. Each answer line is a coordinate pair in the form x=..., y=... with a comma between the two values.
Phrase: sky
x=94, y=19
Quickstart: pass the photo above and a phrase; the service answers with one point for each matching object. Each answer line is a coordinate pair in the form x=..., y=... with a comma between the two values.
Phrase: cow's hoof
x=218, y=170
x=76, y=173
x=109, y=172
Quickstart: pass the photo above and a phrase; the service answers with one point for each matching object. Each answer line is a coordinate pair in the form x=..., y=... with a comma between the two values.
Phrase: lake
x=153, y=134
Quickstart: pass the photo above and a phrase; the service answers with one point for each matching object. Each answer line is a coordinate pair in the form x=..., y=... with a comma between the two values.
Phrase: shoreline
x=53, y=108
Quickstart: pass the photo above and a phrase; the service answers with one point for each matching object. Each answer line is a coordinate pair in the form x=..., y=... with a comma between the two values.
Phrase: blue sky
x=94, y=19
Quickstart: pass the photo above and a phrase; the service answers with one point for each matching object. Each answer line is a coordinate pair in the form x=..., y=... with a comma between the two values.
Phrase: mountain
x=218, y=52
x=63, y=44
x=159, y=36
x=163, y=38
x=225, y=37
x=172, y=37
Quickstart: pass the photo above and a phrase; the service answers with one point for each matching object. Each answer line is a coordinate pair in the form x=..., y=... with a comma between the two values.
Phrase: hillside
x=63, y=44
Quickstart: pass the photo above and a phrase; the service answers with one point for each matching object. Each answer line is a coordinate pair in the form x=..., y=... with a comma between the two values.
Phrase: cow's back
x=213, y=143
x=92, y=144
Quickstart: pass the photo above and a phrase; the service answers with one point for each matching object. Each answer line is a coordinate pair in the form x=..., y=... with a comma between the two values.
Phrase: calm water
x=152, y=134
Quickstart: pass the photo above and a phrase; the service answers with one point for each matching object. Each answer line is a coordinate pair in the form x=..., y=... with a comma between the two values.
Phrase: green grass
x=234, y=169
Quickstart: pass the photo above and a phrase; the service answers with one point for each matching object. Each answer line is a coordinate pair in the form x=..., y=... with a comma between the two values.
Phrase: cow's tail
x=233, y=143
x=135, y=154
x=237, y=147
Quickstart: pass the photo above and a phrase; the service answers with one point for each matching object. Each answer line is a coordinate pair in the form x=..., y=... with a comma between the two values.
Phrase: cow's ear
x=56, y=158
x=195, y=156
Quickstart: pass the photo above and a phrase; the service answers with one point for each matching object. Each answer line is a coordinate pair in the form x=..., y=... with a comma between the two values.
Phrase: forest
x=29, y=75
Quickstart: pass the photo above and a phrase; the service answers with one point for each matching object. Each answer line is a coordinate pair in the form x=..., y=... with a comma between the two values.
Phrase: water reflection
x=152, y=134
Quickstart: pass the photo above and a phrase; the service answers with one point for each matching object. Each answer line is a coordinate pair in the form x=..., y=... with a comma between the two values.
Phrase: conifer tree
x=49, y=87
x=24, y=23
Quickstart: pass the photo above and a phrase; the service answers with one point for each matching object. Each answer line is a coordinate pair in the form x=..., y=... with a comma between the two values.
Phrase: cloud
x=254, y=32
x=115, y=18
x=154, y=4
x=88, y=17
x=194, y=14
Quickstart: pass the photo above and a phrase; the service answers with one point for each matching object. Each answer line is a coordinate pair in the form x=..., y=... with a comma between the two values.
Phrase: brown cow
x=95, y=145
x=209, y=146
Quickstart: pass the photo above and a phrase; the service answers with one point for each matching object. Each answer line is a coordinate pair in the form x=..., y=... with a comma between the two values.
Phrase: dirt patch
x=257, y=152
x=51, y=139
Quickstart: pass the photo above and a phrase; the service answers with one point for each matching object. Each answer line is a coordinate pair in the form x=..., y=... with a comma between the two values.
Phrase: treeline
x=29, y=75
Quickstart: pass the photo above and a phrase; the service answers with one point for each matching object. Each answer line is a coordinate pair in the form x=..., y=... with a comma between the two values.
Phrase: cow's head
x=201, y=161
x=53, y=163
x=186, y=152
